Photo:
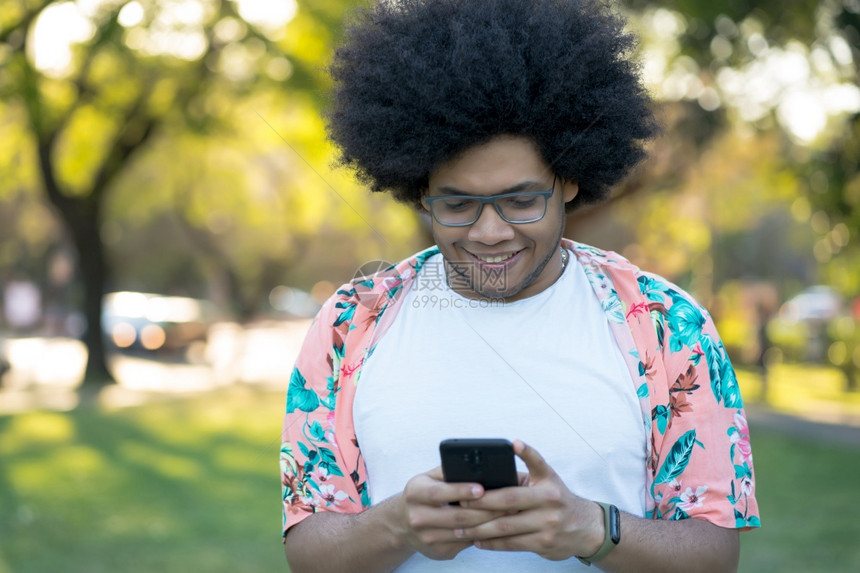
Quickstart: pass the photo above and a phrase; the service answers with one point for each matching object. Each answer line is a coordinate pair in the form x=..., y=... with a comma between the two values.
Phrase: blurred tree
x=832, y=180
x=773, y=197
x=774, y=88
x=743, y=65
x=99, y=81
x=121, y=100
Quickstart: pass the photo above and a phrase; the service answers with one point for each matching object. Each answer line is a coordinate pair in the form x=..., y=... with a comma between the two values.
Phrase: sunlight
x=56, y=29
x=271, y=16
x=130, y=15
x=177, y=30
x=798, y=84
x=807, y=88
x=802, y=113
x=38, y=429
x=173, y=27
x=660, y=30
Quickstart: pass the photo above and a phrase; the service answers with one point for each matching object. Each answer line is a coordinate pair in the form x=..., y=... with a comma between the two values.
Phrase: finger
x=528, y=542
x=426, y=490
x=451, y=518
x=513, y=499
x=428, y=539
x=538, y=468
x=503, y=527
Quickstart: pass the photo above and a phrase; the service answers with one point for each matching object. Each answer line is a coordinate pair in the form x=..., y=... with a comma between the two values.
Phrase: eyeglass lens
x=514, y=208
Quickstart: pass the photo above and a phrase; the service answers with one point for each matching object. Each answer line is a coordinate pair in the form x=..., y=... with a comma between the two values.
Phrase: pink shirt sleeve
x=701, y=461
x=315, y=473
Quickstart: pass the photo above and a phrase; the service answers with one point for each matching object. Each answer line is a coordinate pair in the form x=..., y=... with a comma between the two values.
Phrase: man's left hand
x=542, y=515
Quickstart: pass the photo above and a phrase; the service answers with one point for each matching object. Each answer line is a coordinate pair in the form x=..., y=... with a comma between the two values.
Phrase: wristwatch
x=612, y=524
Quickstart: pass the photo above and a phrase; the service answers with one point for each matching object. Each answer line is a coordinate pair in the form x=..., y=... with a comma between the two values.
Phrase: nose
x=490, y=228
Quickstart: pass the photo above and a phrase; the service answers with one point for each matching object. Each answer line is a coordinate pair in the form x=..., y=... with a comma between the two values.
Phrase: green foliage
x=778, y=21
x=17, y=157
x=832, y=182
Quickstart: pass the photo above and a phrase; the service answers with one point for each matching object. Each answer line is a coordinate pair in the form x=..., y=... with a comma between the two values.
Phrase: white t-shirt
x=545, y=369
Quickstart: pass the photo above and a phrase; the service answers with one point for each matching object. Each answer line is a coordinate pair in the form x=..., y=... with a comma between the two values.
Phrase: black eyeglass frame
x=431, y=199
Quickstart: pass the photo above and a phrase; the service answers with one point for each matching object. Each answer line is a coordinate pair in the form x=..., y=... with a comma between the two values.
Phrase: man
x=497, y=117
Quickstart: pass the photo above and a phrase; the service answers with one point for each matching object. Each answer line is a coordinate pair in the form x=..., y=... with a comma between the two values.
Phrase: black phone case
x=487, y=461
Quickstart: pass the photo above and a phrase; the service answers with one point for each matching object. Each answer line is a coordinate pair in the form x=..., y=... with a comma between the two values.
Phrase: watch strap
x=612, y=535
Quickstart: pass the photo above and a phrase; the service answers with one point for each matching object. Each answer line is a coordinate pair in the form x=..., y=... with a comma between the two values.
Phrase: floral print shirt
x=699, y=458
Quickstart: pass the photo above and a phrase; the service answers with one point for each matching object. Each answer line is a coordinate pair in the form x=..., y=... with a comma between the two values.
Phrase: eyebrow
x=524, y=186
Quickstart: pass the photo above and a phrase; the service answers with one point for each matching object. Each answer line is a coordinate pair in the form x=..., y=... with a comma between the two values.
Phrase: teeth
x=496, y=259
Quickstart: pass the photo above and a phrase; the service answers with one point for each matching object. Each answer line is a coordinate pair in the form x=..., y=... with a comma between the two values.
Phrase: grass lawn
x=185, y=485
x=191, y=485
x=809, y=495
x=808, y=390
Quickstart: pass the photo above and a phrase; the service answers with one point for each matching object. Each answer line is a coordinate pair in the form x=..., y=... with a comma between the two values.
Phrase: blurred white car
x=135, y=320
x=800, y=327
x=819, y=303
x=293, y=302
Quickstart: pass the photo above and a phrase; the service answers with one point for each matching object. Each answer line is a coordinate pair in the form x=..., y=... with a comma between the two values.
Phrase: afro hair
x=418, y=82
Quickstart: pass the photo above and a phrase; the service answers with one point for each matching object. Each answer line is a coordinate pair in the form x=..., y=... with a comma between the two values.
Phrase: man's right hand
x=430, y=524
x=420, y=518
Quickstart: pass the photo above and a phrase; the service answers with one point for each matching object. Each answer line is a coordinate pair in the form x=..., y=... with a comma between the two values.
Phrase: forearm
x=689, y=545
x=367, y=541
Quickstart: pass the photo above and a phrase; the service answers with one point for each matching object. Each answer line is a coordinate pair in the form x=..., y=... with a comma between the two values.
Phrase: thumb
x=538, y=468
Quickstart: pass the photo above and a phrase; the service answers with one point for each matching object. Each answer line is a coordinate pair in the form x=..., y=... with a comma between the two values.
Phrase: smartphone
x=487, y=461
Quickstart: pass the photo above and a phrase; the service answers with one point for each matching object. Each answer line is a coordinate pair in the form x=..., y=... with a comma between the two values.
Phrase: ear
x=423, y=202
x=569, y=190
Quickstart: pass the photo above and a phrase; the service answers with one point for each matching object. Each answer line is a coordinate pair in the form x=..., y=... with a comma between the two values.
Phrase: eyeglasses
x=464, y=210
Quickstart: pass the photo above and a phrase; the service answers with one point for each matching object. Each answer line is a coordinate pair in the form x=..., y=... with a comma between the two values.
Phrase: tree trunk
x=852, y=374
x=83, y=222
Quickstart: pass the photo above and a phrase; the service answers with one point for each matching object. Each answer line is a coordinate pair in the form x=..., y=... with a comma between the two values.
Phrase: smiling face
x=493, y=258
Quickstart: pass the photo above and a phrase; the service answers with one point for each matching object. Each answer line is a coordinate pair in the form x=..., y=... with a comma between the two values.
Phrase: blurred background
x=170, y=220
